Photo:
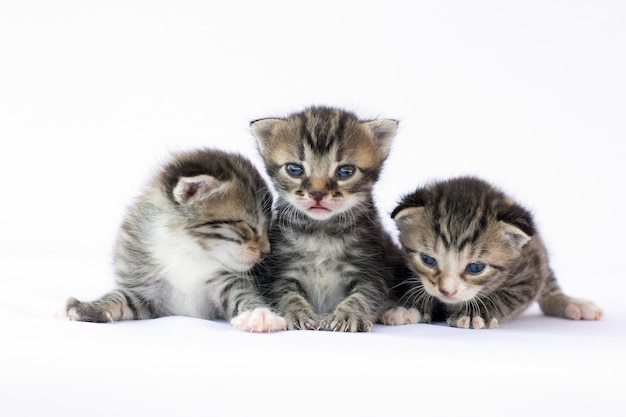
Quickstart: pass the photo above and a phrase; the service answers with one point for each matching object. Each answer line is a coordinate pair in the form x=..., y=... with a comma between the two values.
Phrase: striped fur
x=187, y=245
x=329, y=263
x=477, y=259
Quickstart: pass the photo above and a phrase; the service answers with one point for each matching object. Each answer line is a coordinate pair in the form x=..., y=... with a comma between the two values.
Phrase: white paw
x=400, y=315
x=463, y=322
x=582, y=310
x=72, y=314
x=258, y=320
x=476, y=322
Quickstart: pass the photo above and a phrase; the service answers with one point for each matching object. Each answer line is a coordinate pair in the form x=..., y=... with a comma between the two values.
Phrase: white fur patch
x=463, y=322
x=582, y=310
x=400, y=315
x=260, y=320
x=478, y=322
x=186, y=267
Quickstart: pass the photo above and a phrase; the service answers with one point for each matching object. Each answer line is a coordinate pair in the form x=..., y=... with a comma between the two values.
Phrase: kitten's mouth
x=317, y=207
x=319, y=212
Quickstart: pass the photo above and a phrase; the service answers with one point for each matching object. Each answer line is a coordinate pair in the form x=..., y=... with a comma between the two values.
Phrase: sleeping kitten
x=187, y=244
x=477, y=257
x=327, y=269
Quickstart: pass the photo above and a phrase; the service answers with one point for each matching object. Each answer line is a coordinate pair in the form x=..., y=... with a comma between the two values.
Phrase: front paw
x=400, y=315
x=346, y=321
x=304, y=319
x=582, y=310
x=472, y=322
x=260, y=320
x=80, y=311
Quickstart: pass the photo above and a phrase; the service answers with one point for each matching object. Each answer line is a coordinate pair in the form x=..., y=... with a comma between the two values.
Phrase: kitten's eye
x=345, y=171
x=295, y=170
x=475, y=268
x=429, y=260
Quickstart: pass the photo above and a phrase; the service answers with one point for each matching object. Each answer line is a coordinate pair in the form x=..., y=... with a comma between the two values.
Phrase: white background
x=530, y=95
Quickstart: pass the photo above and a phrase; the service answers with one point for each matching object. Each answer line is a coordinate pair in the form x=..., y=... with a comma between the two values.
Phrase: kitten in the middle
x=331, y=258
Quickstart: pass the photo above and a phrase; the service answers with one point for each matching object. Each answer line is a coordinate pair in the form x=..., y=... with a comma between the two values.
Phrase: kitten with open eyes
x=330, y=262
x=186, y=247
x=477, y=259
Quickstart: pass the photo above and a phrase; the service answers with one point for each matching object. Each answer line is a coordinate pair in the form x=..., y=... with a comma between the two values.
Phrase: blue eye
x=475, y=268
x=429, y=260
x=295, y=170
x=345, y=171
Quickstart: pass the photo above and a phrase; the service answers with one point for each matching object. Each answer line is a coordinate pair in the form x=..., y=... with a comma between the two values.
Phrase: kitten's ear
x=515, y=235
x=403, y=214
x=383, y=131
x=263, y=130
x=190, y=189
x=517, y=224
x=414, y=200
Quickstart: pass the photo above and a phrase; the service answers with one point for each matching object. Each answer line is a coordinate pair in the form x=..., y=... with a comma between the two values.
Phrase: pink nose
x=317, y=195
x=447, y=293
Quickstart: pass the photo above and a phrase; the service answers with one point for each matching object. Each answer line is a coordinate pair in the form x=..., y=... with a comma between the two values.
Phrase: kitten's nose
x=264, y=247
x=447, y=292
x=317, y=195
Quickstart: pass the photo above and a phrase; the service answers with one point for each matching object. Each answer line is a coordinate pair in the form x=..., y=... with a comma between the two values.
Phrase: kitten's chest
x=186, y=267
x=320, y=264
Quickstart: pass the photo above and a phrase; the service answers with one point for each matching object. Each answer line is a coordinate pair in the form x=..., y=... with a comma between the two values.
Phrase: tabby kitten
x=328, y=266
x=187, y=245
x=477, y=257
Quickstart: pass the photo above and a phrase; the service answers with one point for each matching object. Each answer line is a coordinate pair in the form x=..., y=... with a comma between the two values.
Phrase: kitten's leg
x=356, y=312
x=347, y=317
x=289, y=298
x=244, y=305
x=554, y=302
x=114, y=306
x=298, y=312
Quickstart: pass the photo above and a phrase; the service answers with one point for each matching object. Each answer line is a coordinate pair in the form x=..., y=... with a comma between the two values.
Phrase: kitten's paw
x=301, y=320
x=79, y=311
x=475, y=322
x=400, y=315
x=582, y=310
x=260, y=320
x=342, y=321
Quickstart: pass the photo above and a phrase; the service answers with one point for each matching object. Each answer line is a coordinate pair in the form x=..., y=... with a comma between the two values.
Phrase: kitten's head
x=224, y=203
x=461, y=237
x=324, y=161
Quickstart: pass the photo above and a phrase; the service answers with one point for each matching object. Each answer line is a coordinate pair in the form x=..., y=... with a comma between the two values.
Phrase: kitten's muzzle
x=317, y=195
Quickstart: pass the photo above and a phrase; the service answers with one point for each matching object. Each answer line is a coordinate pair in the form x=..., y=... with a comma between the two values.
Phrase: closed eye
x=234, y=230
x=217, y=223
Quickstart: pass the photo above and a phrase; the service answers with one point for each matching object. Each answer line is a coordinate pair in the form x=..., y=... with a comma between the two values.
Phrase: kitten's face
x=323, y=185
x=458, y=246
x=323, y=161
x=229, y=220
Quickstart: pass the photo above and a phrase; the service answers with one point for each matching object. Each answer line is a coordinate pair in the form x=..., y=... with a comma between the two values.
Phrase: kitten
x=328, y=267
x=187, y=245
x=477, y=259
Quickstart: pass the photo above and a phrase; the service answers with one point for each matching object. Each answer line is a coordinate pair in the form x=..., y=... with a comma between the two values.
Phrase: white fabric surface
x=529, y=95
